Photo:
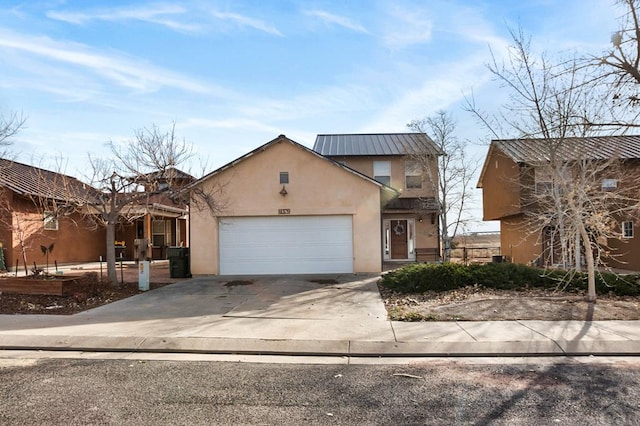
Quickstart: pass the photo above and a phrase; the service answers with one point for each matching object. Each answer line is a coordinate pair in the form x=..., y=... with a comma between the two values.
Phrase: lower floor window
x=627, y=229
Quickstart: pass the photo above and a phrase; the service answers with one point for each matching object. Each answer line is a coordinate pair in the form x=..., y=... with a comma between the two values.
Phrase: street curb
x=337, y=348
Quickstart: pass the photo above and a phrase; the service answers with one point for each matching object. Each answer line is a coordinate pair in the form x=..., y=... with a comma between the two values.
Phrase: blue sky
x=233, y=75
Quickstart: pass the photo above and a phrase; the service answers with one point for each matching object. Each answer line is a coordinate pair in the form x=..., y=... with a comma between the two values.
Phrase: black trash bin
x=497, y=259
x=179, y=266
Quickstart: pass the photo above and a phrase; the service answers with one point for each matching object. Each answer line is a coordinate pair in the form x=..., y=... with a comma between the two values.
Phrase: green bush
x=421, y=277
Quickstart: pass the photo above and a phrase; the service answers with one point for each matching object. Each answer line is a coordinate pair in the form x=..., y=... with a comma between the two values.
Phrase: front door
x=399, y=240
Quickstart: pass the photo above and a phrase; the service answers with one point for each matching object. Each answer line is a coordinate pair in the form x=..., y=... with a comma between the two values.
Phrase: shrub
x=418, y=278
x=421, y=277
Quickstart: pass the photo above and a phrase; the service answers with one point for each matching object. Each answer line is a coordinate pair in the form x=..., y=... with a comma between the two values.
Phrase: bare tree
x=138, y=170
x=551, y=108
x=448, y=175
x=9, y=127
x=616, y=72
x=623, y=60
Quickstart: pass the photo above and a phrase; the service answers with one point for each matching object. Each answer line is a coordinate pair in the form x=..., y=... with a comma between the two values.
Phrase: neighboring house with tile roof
x=35, y=212
x=410, y=224
x=39, y=207
x=514, y=169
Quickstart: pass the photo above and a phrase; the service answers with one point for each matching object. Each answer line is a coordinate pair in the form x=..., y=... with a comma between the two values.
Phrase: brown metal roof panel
x=595, y=148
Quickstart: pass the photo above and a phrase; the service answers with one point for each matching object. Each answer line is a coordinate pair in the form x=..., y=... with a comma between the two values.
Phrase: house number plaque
x=284, y=211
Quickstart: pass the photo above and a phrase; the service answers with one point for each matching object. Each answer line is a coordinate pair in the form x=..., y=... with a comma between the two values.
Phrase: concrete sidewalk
x=299, y=315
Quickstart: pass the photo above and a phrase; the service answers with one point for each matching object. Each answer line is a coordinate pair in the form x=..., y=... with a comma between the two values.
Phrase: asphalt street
x=151, y=392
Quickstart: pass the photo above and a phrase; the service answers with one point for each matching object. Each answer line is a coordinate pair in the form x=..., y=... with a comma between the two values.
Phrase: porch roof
x=427, y=204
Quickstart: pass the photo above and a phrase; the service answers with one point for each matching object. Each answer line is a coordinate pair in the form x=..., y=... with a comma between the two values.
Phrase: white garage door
x=286, y=245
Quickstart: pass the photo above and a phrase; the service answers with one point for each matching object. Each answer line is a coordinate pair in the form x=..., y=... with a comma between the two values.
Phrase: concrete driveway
x=323, y=307
x=338, y=315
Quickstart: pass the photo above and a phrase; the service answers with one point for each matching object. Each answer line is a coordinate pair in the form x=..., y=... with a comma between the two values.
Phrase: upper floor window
x=543, y=180
x=549, y=180
x=413, y=175
x=50, y=221
x=627, y=229
x=284, y=177
x=382, y=172
x=609, y=184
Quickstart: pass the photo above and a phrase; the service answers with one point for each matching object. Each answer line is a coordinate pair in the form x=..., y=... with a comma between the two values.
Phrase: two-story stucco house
x=513, y=174
x=410, y=221
x=285, y=208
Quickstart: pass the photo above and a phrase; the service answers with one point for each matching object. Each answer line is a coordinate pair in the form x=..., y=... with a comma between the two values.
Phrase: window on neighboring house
x=413, y=175
x=50, y=221
x=609, y=184
x=543, y=180
x=382, y=172
x=547, y=179
x=158, y=237
x=284, y=177
x=627, y=229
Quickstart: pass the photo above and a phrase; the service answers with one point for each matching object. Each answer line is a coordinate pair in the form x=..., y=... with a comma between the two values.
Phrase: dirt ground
x=95, y=292
x=482, y=304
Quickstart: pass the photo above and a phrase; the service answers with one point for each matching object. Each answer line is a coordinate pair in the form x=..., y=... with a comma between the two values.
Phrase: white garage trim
x=286, y=245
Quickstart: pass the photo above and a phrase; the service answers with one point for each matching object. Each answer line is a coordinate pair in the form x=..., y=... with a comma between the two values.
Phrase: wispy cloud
x=123, y=70
x=245, y=21
x=160, y=14
x=341, y=21
x=407, y=27
x=445, y=86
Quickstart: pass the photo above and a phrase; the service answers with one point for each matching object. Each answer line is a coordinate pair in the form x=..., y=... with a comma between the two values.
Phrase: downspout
x=382, y=237
x=438, y=238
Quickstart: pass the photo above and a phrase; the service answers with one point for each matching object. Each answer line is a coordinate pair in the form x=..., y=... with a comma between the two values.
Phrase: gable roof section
x=32, y=181
x=170, y=173
x=342, y=145
x=283, y=138
x=530, y=151
x=592, y=148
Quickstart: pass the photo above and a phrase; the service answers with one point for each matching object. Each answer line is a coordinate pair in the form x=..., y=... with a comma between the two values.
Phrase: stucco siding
x=500, y=187
x=76, y=239
x=517, y=242
x=364, y=164
x=252, y=187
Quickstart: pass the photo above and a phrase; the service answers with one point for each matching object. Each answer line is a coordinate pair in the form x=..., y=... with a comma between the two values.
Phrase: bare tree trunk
x=591, y=269
x=578, y=256
x=112, y=273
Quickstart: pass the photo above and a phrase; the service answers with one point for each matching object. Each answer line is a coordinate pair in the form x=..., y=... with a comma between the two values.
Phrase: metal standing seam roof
x=33, y=181
x=592, y=148
x=339, y=145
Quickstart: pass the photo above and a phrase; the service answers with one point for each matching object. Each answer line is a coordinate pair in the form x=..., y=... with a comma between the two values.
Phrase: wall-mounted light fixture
x=284, y=179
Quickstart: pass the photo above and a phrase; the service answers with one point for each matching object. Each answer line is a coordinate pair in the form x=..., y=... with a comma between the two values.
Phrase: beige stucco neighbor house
x=287, y=209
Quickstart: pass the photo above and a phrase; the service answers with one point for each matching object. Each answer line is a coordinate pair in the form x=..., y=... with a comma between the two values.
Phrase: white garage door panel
x=286, y=245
